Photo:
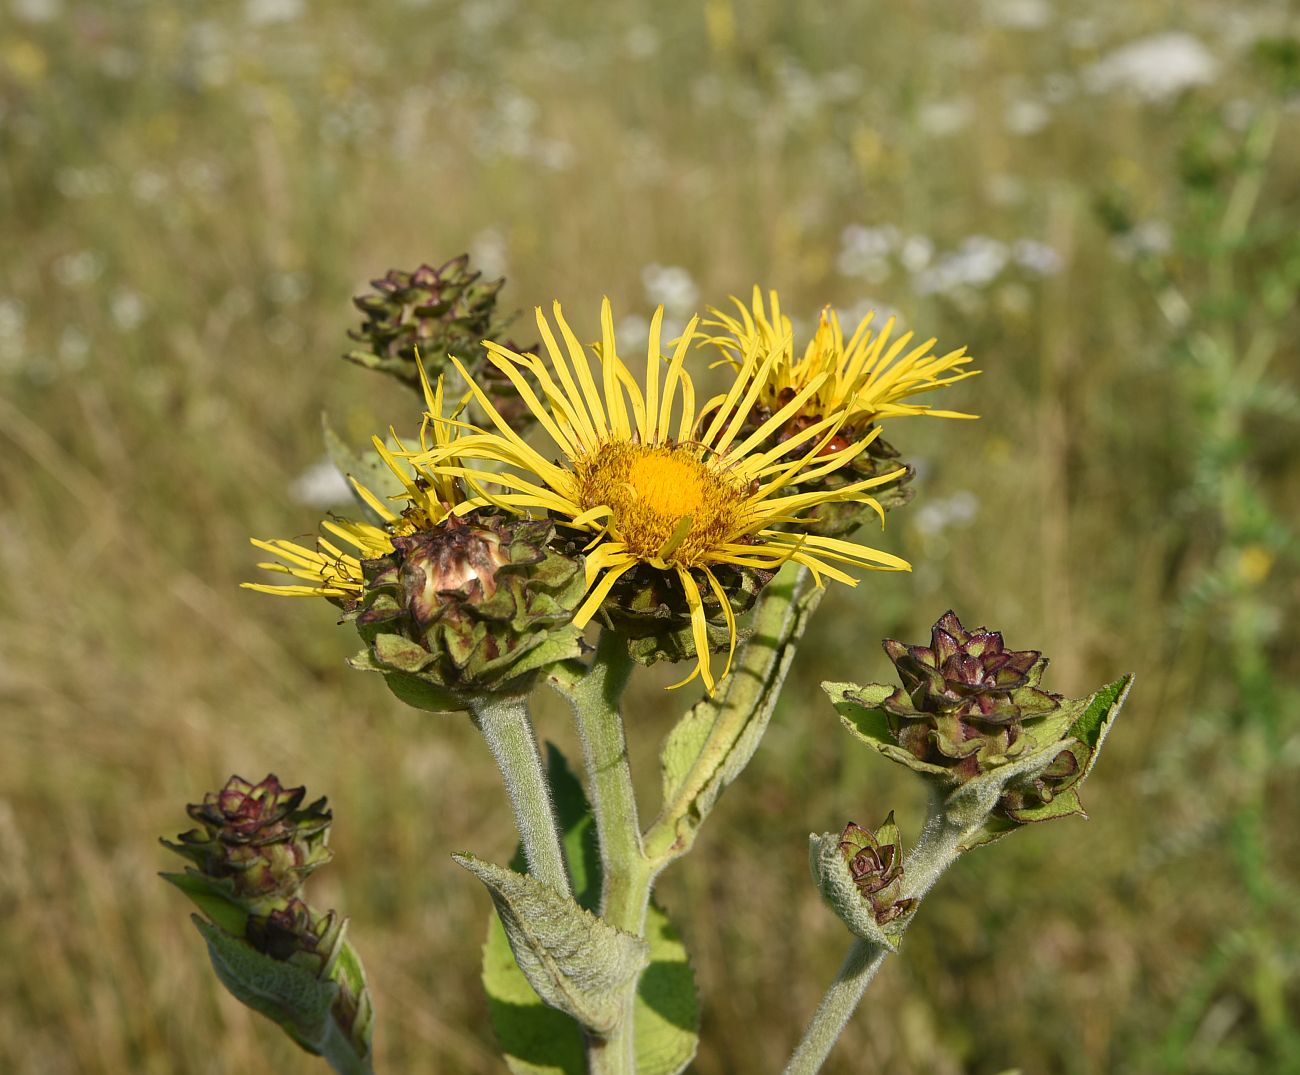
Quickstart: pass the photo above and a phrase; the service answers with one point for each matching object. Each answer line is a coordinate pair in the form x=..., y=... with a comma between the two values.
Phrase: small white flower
x=489, y=253
x=671, y=287
x=127, y=308
x=1036, y=257
x=1018, y=14
x=1026, y=116
x=266, y=12
x=1156, y=68
x=942, y=118
x=79, y=267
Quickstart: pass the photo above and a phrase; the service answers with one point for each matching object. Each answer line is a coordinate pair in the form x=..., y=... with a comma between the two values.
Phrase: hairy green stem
x=936, y=850
x=839, y=1003
x=508, y=730
x=625, y=873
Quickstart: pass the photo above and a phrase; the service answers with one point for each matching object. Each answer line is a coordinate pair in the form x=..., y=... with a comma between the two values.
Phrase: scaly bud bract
x=257, y=841
x=462, y=606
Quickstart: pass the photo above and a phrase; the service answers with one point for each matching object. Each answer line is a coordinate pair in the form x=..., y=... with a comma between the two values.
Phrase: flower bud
x=462, y=604
x=428, y=314
x=965, y=698
x=270, y=949
x=257, y=841
x=876, y=865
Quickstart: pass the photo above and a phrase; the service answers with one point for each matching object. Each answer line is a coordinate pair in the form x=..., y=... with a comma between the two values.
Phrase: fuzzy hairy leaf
x=833, y=878
x=574, y=961
x=367, y=467
x=290, y=996
x=540, y=1040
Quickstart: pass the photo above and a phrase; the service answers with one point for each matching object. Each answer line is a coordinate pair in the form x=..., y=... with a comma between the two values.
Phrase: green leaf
x=682, y=746
x=860, y=713
x=210, y=898
x=367, y=467
x=1099, y=714
x=539, y=1040
x=575, y=961
x=286, y=994
x=696, y=770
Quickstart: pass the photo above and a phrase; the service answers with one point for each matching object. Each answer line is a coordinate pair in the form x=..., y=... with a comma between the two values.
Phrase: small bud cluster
x=255, y=849
x=875, y=862
x=426, y=315
x=258, y=841
x=968, y=703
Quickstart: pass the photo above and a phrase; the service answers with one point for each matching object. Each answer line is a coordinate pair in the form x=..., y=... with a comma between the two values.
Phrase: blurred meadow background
x=1099, y=199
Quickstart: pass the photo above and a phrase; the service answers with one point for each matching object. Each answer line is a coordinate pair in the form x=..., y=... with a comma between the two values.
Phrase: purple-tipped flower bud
x=258, y=840
x=965, y=697
x=270, y=949
x=876, y=864
x=432, y=313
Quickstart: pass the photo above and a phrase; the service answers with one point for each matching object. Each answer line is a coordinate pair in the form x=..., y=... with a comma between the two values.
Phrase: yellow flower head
x=869, y=378
x=651, y=477
x=326, y=570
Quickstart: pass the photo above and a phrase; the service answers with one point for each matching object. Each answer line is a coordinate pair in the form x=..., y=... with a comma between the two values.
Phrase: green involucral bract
x=474, y=605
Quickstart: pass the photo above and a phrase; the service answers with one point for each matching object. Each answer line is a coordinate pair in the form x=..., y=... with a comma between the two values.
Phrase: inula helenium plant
x=564, y=512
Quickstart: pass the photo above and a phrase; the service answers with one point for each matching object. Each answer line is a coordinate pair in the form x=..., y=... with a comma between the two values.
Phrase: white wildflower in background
x=1026, y=116
x=149, y=186
x=1156, y=68
x=1017, y=14
x=78, y=268
x=916, y=252
x=975, y=263
x=942, y=118
x=671, y=287
x=489, y=252
x=935, y=516
x=320, y=486
x=127, y=308
x=1036, y=257
x=75, y=183
x=36, y=11
x=268, y=12
x=1151, y=238
x=641, y=41
x=865, y=252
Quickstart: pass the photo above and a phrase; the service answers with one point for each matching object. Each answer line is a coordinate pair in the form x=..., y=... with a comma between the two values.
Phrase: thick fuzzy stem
x=625, y=873
x=508, y=730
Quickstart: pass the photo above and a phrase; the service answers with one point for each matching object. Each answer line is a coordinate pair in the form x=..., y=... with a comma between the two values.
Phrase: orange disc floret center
x=666, y=502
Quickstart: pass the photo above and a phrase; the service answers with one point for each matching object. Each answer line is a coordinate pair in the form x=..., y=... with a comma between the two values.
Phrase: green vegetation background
x=189, y=194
